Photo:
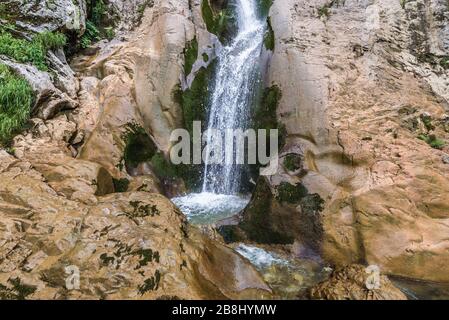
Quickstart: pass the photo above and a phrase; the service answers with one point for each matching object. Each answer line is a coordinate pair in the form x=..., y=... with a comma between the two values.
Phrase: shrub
x=92, y=34
x=16, y=98
x=34, y=51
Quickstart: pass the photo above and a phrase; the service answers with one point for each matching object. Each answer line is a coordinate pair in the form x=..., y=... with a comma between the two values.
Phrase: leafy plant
x=432, y=141
x=16, y=98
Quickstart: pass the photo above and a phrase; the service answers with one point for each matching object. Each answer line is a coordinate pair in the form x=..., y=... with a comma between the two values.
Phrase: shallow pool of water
x=208, y=208
x=288, y=278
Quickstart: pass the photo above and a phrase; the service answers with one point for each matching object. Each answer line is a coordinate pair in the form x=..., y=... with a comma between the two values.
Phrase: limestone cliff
x=365, y=106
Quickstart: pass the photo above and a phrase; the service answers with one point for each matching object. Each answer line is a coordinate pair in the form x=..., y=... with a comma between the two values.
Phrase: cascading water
x=235, y=80
x=236, y=76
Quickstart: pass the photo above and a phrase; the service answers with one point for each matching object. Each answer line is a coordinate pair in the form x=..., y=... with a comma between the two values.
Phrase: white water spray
x=236, y=76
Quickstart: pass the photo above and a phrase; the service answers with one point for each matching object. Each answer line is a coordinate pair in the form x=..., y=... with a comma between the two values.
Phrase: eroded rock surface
x=363, y=84
x=352, y=283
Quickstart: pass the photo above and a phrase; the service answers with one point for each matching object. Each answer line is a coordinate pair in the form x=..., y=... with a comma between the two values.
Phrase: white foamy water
x=236, y=76
x=205, y=208
x=259, y=257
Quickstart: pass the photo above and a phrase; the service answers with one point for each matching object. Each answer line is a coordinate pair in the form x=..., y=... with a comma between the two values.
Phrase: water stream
x=236, y=76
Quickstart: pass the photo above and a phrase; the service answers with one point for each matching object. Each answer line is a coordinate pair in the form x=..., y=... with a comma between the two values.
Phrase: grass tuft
x=16, y=98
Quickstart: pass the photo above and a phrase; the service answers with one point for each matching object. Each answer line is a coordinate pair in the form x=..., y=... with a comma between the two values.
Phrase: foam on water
x=206, y=208
x=259, y=257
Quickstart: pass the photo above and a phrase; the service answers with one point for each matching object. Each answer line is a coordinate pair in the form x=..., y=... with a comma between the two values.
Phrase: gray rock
x=445, y=159
x=39, y=16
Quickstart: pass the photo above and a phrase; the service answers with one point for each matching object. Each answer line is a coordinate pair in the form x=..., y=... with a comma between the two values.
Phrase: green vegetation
x=141, y=8
x=265, y=116
x=163, y=168
x=190, y=55
x=146, y=256
x=194, y=99
x=17, y=291
x=257, y=223
x=92, y=34
x=33, y=51
x=138, y=146
x=150, y=283
x=16, y=98
x=432, y=141
x=205, y=57
x=264, y=7
x=120, y=185
x=98, y=25
x=216, y=22
x=403, y=3
x=324, y=11
x=268, y=39
x=444, y=62
x=289, y=193
x=292, y=162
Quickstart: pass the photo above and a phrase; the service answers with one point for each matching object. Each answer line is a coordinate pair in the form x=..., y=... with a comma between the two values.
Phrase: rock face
x=363, y=84
x=38, y=16
x=68, y=229
x=350, y=283
x=130, y=246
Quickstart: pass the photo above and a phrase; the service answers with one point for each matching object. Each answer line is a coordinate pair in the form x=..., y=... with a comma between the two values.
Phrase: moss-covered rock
x=139, y=147
x=269, y=39
x=190, y=55
x=280, y=216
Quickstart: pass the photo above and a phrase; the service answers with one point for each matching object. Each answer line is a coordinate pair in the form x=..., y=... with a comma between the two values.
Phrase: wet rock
x=352, y=283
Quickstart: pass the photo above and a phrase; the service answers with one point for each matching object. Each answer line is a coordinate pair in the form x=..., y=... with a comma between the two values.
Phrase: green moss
x=289, y=193
x=444, y=62
x=264, y=7
x=17, y=290
x=141, y=210
x=194, y=100
x=139, y=147
x=292, y=162
x=257, y=221
x=146, y=256
x=265, y=115
x=106, y=260
x=205, y=57
x=150, y=284
x=33, y=51
x=324, y=11
x=162, y=167
x=16, y=98
x=120, y=185
x=268, y=39
x=190, y=55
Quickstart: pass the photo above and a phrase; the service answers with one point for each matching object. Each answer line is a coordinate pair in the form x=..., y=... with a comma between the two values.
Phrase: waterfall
x=235, y=81
x=236, y=77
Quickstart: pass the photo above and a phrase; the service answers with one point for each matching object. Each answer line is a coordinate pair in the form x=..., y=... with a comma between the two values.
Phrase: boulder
x=353, y=283
x=127, y=246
